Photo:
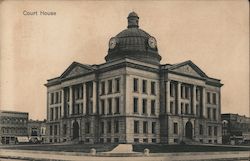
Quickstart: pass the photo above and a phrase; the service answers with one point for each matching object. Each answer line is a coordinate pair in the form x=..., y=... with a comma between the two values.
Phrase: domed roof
x=133, y=43
x=131, y=14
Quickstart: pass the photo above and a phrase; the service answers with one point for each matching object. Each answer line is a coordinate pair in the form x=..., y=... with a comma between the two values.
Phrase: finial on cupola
x=133, y=20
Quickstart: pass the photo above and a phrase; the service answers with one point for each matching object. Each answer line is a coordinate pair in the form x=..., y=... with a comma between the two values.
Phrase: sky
x=213, y=34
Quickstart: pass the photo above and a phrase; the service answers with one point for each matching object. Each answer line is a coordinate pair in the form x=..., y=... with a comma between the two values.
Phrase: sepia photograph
x=105, y=80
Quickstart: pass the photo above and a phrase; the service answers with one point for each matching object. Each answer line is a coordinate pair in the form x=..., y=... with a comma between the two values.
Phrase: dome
x=134, y=43
x=132, y=14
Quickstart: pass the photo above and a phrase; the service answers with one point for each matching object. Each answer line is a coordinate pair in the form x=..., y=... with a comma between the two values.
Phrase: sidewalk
x=76, y=156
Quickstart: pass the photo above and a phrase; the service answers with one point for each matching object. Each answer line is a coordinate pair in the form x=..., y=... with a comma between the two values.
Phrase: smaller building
x=13, y=124
x=235, y=129
x=36, y=130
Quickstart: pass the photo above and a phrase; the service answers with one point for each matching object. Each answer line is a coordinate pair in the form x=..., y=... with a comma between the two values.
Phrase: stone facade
x=132, y=98
x=12, y=125
x=37, y=130
x=235, y=129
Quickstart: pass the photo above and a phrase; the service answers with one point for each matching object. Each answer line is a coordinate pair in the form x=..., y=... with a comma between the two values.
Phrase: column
x=167, y=108
x=203, y=102
x=94, y=97
x=48, y=108
x=62, y=103
x=70, y=100
x=84, y=97
x=179, y=97
x=194, y=99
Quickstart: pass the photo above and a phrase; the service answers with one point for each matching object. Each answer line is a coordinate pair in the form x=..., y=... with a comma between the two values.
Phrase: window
x=187, y=108
x=209, y=130
x=56, y=113
x=87, y=127
x=117, y=85
x=153, y=88
x=208, y=113
x=110, y=86
x=215, y=131
x=108, y=140
x=136, y=140
x=102, y=107
x=182, y=91
x=197, y=94
x=182, y=108
x=153, y=107
x=51, y=114
x=171, y=89
x=67, y=94
x=201, y=129
x=81, y=92
x=116, y=126
x=186, y=92
x=116, y=140
x=64, y=129
x=145, y=127
x=109, y=127
x=103, y=88
x=52, y=98
x=102, y=127
x=214, y=98
x=176, y=110
x=145, y=140
x=60, y=96
x=135, y=105
x=153, y=140
x=135, y=85
x=153, y=130
x=57, y=97
x=175, y=128
x=144, y=106
x=208, y=97
x=50, y=130
x=136, y=127
x=144, y=86
x=214, y=114
x=55, y=130
x=171, y=107
x=110, y=106
x=77, y=108
x=117, y=107
x=90, y=108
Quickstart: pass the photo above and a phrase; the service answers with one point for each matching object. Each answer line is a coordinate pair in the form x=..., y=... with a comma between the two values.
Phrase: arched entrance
x=75, y=130
x=189, y=130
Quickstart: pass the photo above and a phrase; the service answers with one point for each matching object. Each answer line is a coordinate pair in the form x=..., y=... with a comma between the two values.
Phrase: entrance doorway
x=75, y=130
x=189, y=130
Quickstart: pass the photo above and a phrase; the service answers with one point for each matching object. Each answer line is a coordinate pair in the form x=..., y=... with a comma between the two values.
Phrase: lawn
x=162, y=148
x=64, y=147
x=154, y=148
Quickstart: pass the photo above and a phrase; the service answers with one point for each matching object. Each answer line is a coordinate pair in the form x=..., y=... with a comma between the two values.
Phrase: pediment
x=76, y=69
x=188, y=68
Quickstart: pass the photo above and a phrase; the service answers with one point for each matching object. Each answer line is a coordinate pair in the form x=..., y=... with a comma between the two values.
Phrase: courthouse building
x=133, y=98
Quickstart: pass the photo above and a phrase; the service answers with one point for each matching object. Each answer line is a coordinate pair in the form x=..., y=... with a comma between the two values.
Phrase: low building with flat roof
x=235, y=128
x=13, y=124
